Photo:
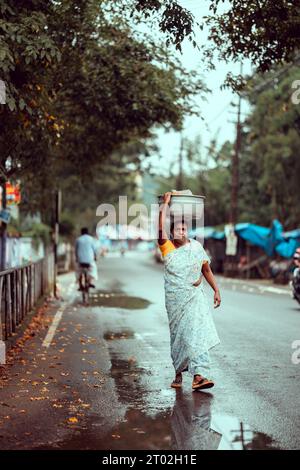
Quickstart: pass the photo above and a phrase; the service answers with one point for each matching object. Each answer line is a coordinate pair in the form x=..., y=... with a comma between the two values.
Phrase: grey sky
x=217, y=112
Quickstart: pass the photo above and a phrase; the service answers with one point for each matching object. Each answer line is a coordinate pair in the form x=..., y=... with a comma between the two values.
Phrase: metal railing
x=20, y=289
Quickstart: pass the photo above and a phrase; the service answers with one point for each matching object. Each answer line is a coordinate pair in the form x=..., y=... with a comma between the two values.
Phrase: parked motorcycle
x=296, y=277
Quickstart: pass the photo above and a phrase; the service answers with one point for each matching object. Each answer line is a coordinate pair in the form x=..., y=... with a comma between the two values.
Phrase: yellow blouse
x=167, y=247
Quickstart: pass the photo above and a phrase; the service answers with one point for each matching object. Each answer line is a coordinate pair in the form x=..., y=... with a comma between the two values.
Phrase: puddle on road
x=189, y=425
x=127, y=375
x=117, y=300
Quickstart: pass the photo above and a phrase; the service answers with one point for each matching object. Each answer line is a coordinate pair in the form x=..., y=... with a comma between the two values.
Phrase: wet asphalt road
x=104, y=380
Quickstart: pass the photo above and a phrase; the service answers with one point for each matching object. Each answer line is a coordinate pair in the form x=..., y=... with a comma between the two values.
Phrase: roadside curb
x=255, y=284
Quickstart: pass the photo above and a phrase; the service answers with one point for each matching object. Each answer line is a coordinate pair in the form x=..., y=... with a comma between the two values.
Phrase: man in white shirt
x=85, y=255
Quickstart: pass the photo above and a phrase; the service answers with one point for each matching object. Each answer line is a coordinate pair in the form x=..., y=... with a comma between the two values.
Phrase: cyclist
x=85, y=255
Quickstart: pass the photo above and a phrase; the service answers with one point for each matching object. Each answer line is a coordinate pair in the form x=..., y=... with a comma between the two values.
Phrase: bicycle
x=85, y=282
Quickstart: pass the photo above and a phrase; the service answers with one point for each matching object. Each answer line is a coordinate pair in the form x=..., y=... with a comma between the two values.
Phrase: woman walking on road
x=192, y=329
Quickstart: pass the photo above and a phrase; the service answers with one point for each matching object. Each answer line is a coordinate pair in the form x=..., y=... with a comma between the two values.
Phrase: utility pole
x=235, y=166
x=3, y=230
x=179, y=182
x=242, y=438
x=231, y=238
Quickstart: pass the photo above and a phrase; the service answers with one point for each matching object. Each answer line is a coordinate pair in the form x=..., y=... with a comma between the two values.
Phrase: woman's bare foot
x=177, y=382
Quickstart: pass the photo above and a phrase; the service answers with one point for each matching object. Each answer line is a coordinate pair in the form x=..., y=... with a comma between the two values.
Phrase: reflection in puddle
x=239, y=436
x=191, y=422
x=196, y=428
x=117, y=300
x=127, y=376
x=189, y=425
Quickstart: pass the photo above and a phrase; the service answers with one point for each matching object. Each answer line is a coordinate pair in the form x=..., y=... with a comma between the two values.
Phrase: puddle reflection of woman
x=191, y=423
x=192, y=330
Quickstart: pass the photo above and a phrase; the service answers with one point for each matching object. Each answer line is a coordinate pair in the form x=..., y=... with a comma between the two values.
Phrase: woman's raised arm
x=163, y=236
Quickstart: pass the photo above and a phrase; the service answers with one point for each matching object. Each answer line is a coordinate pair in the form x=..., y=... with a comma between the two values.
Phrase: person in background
x=296, y=259
x=192, y=330
x=86, y=256
x=123, y=247
x=295, y=282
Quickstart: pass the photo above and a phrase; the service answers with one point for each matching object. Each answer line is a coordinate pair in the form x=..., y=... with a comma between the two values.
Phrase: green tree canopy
x=81, y=89
x=266, y=32
x=270, y=164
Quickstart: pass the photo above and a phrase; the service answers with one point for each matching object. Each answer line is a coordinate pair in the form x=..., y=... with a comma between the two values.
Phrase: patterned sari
x=192, y=329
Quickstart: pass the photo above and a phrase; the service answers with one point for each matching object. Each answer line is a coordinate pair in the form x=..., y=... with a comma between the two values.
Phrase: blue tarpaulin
x=271, y=240
x=253, y=233
x=275, y=238
x=292, y=234
x=287, y=248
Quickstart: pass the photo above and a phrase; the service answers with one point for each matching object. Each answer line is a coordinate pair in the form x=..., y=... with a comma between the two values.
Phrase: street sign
x=5, y=216
x=231, y=240
x=13, y=195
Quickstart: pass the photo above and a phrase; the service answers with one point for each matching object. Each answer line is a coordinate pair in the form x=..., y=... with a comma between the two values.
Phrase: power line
x=219, y=114
x=262, y=86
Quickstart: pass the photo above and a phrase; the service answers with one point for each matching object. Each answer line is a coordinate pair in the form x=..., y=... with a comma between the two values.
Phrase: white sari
x=192, y=329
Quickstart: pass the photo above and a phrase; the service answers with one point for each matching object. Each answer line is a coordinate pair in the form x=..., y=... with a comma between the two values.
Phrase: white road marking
x=51, y=332
x=261, y=288
x=275, y=290
x=58, y=316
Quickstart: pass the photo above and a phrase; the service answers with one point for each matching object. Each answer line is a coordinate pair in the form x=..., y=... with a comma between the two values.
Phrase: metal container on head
x=187, y=206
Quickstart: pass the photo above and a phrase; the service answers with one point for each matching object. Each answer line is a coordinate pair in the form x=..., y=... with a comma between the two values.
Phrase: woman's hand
x=217, y=299
x=167, y=197
x=197, y=283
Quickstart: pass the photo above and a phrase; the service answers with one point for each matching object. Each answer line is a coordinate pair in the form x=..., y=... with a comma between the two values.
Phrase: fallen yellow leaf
x=73, y=420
